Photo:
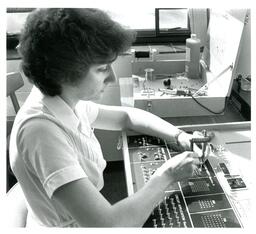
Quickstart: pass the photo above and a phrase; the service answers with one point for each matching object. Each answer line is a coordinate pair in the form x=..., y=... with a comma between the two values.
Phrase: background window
x=153, y=25
x=173, y=18
x=138, y=19
x=16, y=18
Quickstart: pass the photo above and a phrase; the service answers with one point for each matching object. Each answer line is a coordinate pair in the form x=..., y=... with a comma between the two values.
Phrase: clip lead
x=204, y=140
x=203, y=148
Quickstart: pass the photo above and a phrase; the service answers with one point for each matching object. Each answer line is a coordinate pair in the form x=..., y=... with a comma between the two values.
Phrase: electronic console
x=212, y=198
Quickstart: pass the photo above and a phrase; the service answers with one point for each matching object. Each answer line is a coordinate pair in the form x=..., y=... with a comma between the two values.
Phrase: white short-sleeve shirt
x=52, y=145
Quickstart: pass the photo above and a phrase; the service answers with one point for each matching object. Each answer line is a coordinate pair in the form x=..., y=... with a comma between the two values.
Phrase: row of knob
x=163, y=214
x=159, y=155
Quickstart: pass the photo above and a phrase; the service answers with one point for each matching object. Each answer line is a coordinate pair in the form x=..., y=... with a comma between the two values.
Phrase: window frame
x=154, y=36
x=19, y=10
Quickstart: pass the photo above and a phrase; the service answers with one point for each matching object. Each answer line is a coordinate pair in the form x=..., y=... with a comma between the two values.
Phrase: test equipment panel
x=216, y=197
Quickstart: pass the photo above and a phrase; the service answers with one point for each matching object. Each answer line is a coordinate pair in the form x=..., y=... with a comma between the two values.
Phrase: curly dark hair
x=58, y=46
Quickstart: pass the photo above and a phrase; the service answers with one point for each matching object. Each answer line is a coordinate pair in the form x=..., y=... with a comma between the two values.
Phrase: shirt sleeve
x=48, y=153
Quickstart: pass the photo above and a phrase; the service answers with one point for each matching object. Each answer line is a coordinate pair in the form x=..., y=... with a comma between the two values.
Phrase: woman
x=66, y=54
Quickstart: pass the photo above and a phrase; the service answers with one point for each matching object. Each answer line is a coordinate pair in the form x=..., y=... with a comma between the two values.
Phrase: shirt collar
x=59, y=108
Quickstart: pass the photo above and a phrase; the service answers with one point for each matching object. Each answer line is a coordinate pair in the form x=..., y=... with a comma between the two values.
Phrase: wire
x=205, y=107
x=207, y=85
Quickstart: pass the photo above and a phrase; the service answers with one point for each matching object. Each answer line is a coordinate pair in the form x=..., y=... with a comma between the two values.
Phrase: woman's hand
x=184, y=144
x=184, y=141
x=179, y=167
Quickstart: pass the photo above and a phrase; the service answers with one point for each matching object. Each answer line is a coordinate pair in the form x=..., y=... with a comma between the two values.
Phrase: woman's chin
x=98, y=96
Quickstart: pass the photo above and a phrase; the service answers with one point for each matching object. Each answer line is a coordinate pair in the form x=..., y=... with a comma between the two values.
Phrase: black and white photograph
x=118, y=116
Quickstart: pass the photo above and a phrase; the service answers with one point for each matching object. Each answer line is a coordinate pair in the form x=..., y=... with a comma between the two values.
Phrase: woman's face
x=96, y=80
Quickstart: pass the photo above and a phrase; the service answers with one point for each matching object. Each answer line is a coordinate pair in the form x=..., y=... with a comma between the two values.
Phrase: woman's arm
x=86, y=204
x=125, y=118
x=90, y=209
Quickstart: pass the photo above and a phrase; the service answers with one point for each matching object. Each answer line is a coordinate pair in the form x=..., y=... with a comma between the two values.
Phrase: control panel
x=200, y=201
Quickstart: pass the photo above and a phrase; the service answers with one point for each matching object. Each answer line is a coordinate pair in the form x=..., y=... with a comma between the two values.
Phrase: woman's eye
x=104, y=69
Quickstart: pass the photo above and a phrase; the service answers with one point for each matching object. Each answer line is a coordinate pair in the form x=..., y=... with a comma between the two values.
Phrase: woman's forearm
x=90, y=209
x=147, y=123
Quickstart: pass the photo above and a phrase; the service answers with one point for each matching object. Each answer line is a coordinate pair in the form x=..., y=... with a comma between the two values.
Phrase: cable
x=207, y=85
x=213, y=112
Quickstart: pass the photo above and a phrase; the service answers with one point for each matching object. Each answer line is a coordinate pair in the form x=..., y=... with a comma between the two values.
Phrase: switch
x=224, y=168
x=236, y=183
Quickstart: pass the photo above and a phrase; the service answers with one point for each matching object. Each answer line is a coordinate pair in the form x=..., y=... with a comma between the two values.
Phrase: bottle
x=192, y=63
